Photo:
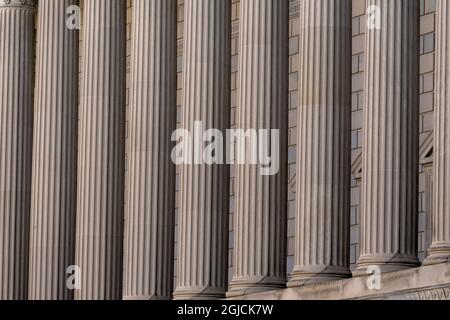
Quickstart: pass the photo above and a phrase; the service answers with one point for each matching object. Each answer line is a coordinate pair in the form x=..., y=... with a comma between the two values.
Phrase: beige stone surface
x=426, y=283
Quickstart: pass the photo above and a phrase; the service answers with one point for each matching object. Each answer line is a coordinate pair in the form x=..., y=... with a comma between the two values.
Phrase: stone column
x=202, y=264
x=101, y=156
x=52, y=238
x=150, y=194
x=323, y=144
x=439, y=251
x=17, y=20
x=390, y=157
x=261, y=208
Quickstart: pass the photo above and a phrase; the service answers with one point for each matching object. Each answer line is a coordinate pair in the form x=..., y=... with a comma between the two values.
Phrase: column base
x=386, y=263
x=250, y=285
x=199, y=293
x=438, y=253
x=303, y=276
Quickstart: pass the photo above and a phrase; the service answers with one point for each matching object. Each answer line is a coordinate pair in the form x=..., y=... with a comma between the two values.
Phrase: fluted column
x=390, y=157
x=202, y=270
x=439, y=252
x=323, y=144
x=16, y=128
x=260, y=221
x=52, y=238
x=150, y=195
x=99, y=236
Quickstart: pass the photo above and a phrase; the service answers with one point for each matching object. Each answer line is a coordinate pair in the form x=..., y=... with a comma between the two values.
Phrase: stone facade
x=82, y=184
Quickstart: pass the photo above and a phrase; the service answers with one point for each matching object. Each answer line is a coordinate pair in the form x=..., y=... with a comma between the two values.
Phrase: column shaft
x=202, y=269
x=99, y=236
x=53, y=201
x=150, y=194
x=16, y=128
x=261, y=200
x=439, y=251
x=390, y=158
x=324, y=130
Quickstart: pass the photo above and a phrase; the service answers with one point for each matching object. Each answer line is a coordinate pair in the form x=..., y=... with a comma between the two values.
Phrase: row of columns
x=41, y=175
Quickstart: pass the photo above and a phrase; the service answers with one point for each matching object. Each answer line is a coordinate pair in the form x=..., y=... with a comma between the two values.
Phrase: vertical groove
x=324, y=127
x=390, y=157
x=52, y=230
x=101, y=151
x=261, y=201
x=149, y=223
x=204, y=190
x=16, y=128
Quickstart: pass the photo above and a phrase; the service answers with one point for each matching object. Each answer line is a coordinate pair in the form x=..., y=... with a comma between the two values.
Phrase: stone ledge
x=424, y=283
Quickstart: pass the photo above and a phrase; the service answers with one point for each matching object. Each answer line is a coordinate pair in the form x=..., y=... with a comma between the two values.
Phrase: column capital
x=18, y=3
